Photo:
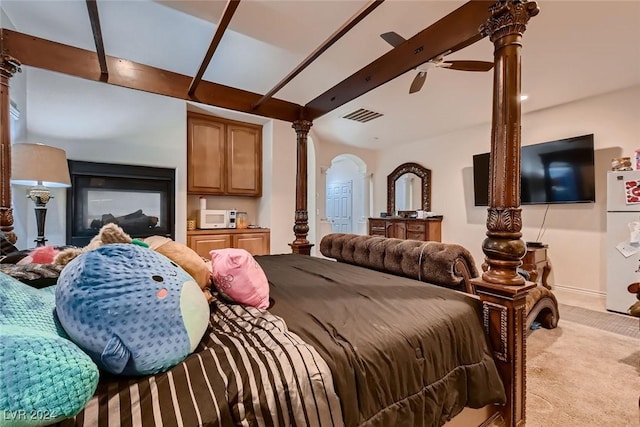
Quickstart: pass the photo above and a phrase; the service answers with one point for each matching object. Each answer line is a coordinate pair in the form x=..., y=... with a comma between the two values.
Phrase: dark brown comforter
x=402, y=352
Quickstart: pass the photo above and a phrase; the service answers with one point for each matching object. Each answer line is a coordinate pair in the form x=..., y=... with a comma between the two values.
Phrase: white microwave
x=216, y=218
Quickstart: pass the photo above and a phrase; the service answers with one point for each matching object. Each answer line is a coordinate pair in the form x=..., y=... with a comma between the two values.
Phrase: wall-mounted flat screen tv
x=559, y=171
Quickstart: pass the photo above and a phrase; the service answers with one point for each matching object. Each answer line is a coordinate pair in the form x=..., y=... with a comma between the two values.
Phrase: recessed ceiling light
x=524, y=97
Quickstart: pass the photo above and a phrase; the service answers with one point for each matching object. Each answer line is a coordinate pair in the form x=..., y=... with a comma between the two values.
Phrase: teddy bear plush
x=110, y=233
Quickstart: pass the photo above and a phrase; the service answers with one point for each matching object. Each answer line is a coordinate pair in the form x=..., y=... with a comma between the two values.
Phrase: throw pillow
x=238, y=276
x=44, y=377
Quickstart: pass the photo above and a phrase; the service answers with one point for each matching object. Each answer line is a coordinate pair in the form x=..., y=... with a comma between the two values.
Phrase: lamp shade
x=39, y=164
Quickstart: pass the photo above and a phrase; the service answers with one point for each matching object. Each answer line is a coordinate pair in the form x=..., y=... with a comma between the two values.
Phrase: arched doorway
x=347, y=194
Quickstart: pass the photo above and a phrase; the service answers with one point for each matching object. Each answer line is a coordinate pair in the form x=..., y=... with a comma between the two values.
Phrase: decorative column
x=503, y=246
x=301, y=228
x=8, y=67
x=502, y=290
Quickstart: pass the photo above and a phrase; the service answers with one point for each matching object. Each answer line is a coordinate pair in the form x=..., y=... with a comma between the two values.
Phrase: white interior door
x=339, y=202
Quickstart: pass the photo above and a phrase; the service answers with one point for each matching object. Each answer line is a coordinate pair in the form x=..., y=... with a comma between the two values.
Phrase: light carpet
x=579, y=375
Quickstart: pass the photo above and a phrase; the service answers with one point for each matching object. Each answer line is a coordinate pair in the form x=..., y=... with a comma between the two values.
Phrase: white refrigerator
x=623, y=246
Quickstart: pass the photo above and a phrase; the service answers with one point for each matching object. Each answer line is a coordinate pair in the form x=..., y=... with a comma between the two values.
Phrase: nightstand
x=537, y=264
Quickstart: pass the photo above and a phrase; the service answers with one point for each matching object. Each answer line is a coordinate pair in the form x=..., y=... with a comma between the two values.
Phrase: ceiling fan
x=395, y=39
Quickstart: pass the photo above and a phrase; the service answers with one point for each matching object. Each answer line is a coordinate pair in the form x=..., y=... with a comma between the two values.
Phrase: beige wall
x=576, y=233
x=279, y=185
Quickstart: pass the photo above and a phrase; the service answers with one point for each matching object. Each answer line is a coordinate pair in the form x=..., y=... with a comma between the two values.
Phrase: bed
x=345, y=390
x=339, y=345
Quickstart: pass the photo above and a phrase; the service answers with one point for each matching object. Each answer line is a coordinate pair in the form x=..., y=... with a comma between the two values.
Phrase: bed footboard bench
x=444, y=264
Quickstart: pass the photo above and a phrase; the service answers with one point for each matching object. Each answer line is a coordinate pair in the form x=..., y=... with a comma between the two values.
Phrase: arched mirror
x=409, y=188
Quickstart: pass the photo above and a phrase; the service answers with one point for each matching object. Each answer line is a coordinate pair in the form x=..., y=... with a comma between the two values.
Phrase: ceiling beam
x=352, y=22
x=225, y=19
x=52, y=56
x=92, y=8
x=453, y=32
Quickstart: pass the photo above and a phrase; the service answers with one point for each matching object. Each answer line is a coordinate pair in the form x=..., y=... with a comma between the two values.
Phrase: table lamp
x=41, y=167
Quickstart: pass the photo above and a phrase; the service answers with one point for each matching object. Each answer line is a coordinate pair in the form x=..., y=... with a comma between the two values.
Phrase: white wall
x=155, y=138
x=576, y=233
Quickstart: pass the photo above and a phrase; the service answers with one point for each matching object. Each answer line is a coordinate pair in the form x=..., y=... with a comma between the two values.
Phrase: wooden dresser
x=407, y=228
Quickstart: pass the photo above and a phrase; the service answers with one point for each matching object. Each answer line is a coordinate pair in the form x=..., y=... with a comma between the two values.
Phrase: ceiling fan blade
x=418, y=82
x=468, y=65
x=394, y=39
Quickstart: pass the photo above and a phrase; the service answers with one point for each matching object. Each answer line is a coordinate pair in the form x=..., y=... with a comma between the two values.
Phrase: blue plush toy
x=131, y=309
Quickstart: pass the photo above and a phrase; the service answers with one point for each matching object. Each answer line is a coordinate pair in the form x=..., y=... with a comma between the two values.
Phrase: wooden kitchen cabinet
x=427, y=229
x=205, y=243
x=256, y=241
x=224, y=157
x=244, y=160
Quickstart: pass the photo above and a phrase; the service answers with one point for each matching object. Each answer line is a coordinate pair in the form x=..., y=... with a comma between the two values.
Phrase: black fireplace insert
x=140, y=199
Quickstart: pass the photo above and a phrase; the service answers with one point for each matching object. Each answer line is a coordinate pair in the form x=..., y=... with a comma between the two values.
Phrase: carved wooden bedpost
x=503, y=247
x=8, y=67
x=502, y=290
x=301, y=228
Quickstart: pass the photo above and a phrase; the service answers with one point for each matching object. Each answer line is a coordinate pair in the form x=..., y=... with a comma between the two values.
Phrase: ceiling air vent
x=362, y=115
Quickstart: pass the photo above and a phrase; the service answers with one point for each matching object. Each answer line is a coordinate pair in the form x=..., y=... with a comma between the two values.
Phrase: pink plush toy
x=40, y=255
x=239, y=277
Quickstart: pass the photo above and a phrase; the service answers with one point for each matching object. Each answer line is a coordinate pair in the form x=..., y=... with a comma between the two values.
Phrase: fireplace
x=140, y=199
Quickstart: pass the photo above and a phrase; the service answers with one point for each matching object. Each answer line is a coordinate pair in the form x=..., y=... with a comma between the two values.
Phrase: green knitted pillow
x=44, y=377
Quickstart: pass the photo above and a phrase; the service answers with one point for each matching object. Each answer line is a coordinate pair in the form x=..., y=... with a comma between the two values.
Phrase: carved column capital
x=9, y=66
x=509, y=17
x=302, y=127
